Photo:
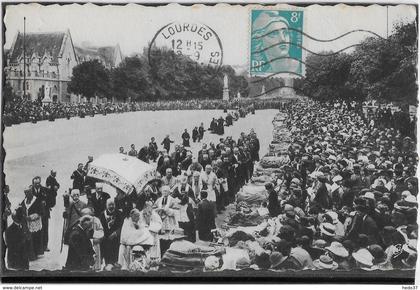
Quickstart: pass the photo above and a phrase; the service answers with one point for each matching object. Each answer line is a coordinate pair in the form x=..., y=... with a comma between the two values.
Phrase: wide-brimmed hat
x=276, y=258
x=243, y=263
x=363, y=257
x=211, y=263
x=320, y=244
x=327, y=229
x=338, y=249
x=371, y=167
x=325, y=262
x=411, y=200
x=369, y=195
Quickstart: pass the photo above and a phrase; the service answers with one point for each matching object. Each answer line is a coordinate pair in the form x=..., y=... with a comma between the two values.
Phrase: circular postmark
x=197, y=41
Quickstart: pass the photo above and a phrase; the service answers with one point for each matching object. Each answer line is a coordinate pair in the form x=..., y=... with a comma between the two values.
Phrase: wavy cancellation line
x=304, y=48
x=287, y=57
x=275, y=88
x=273, y=74
x=317, y=39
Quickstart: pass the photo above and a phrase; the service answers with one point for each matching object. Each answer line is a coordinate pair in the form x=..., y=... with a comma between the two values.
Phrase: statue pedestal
x=287, y=92
x=46, y=100
x=225, y=94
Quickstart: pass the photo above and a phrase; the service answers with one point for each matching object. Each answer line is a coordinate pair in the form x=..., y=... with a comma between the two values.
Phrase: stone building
x=50, y=59
x=109, y=56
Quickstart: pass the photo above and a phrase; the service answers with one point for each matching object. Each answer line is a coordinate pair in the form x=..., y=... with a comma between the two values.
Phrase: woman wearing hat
x=327, y=231
x=340, y=255
x=325, y=263
x=363, y=259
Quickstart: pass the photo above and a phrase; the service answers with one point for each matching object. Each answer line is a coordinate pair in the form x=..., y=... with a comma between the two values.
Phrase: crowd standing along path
x=35, y=149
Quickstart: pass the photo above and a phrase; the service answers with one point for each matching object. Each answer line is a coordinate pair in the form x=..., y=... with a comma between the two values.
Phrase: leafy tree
x=131, y=80
x=8, y=93
x=90, y=79
x=382, y=69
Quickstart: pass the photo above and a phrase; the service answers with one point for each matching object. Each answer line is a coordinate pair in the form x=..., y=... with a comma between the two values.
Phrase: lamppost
x=24, y=58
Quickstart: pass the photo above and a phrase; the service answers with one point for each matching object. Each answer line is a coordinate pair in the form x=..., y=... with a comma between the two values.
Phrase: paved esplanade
x=35, y=149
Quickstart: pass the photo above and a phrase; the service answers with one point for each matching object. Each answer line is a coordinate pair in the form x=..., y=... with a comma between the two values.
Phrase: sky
x=133, y=26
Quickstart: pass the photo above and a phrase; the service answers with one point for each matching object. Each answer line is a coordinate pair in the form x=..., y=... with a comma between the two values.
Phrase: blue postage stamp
x=276, y=42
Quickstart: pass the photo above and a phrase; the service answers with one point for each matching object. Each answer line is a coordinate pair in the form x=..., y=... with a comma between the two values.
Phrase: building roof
x=107, y=54
x=39, y=44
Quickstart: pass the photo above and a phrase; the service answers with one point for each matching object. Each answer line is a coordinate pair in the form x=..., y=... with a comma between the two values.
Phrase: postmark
x=197, y=41
x=276, y=42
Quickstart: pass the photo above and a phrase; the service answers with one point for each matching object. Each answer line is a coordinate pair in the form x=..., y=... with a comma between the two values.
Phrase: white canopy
x=122, y=171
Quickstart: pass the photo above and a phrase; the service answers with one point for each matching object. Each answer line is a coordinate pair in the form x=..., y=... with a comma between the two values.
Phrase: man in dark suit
x=201, y=131
x=48, y=201
x=153, y=149
x=51, y=182
x=17, y=254
x=78, y=177
x=206, y=213
x=112, y=221
x=98, y=200
x=273, y=200
x=185, y=138
x=167, y=143
x=80, y=254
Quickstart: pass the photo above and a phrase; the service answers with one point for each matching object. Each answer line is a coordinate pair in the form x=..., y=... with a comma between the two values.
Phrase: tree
x=327, y=77
x=381, y=69
x=90, y=79
x=131, y=79
x=8, y=93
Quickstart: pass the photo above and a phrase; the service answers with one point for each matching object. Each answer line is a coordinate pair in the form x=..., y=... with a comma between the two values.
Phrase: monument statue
x=225, y=88
x=47, y=92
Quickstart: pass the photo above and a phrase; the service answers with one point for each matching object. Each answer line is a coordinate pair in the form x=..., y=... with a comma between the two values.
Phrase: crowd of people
x=338, y=193
x=100, y=231
x=27, y=237
x=400, y=120
x=20, y=110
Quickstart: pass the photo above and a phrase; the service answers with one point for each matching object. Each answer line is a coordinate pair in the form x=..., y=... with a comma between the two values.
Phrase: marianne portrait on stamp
x=272, y=41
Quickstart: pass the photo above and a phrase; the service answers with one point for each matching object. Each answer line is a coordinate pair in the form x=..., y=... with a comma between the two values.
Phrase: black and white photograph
x=209, y=142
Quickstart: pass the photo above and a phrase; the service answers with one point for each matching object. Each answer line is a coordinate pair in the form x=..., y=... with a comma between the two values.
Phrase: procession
x=189, y=152
x=310, y=202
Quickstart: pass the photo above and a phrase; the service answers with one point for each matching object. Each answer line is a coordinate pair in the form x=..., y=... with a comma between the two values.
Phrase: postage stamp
x=276, y=42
